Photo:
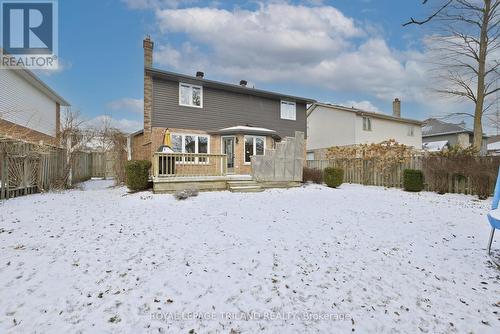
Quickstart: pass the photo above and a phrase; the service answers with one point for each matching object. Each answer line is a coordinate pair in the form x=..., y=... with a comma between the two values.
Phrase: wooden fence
x=27, y=168
x=103, y=164
x=361, y=171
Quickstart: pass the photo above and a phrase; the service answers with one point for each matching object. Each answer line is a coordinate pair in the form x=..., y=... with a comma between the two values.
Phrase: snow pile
x=310, y=259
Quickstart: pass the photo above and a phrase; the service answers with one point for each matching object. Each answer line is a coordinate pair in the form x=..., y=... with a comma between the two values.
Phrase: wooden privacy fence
x=368, y=172
x=29, y=168
x=103, y=164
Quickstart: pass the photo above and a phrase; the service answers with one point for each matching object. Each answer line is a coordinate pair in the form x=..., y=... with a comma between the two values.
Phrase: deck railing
x=189, y=164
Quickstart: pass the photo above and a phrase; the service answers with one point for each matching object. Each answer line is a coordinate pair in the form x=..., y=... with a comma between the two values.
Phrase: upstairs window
x=190, y=95
x=288, y=110
x=367, y=124
x=411, y=131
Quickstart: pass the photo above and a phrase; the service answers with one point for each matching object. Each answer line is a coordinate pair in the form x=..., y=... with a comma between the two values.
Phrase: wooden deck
x=202, y=183
x=205, y=172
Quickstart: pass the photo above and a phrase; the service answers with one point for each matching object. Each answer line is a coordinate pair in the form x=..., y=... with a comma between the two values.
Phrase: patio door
x=228, y=149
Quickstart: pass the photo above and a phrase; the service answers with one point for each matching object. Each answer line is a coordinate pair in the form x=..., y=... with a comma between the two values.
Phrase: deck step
x=244, y=186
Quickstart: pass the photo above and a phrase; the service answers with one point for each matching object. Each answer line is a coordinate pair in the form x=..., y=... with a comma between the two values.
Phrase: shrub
x=312, y=175
x=186, y=193
x=334, y=177
x=413, y=180
x=137, y=172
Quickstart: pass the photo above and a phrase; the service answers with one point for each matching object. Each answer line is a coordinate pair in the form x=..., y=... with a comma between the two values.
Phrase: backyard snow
x=310, y=259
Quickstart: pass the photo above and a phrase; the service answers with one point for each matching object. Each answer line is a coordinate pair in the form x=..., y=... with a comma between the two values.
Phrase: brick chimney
x=148, y=51
x=148, y=46
x=396, y=108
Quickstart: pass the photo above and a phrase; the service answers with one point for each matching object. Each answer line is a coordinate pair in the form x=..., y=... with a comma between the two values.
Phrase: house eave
x=449, y=133
x=171, y=76
x=362, y=113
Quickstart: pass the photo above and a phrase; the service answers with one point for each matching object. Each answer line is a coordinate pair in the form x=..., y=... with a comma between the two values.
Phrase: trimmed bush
x=413, y=180
x=312, y=175
x=334, y=177
x=138, y=174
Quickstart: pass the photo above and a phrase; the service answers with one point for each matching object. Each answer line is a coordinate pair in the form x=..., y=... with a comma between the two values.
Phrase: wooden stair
x=246, y=186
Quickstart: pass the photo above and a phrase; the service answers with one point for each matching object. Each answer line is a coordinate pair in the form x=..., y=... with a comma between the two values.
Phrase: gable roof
x=171, y=76
x=435, y=127
x=360, y=112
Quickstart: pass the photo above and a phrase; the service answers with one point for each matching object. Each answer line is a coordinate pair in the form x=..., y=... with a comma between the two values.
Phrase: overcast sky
x=349, y=52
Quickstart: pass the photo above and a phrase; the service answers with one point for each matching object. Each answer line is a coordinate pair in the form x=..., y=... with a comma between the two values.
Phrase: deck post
x=155, y=165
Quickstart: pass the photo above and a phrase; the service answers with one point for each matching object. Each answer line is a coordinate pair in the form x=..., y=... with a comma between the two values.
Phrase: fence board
x=27, y=168
x=363, y=171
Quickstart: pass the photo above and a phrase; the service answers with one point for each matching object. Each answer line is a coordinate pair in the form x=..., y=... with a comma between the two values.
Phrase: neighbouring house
x=438, y=135
x=493, y=145
x=333, y=125
x=215, y=127
x=29, y=109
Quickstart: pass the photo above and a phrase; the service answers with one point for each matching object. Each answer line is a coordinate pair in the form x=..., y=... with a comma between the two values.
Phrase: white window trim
x=411, y=131
x=191, y=86
x=285, y=116
x=254, y=147
x=368, y=128
x=183, y=145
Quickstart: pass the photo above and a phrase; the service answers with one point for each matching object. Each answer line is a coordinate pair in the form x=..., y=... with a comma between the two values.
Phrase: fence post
x=3, y=178
x=5, y=182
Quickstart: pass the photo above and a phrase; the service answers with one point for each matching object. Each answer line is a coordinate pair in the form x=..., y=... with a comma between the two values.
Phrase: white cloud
x=127, y=104
x=63, y=65
x=147, y=4
x=123, y=124
x=362, y=105
x=317, y=46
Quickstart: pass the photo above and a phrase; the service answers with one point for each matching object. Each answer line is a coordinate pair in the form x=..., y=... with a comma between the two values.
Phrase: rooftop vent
x=200, y=75
x=243, y=83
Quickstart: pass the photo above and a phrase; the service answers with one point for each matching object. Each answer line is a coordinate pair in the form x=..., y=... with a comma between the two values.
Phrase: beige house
x=332, y=125
x=29, y=109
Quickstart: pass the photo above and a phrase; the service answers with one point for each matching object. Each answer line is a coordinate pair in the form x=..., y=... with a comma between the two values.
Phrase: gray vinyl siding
x=221, y=109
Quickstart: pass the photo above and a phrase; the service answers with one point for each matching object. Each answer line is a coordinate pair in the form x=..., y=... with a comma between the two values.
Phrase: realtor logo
x=29, y=34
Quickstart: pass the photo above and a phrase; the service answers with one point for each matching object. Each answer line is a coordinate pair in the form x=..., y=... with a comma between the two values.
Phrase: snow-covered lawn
x=361, y=258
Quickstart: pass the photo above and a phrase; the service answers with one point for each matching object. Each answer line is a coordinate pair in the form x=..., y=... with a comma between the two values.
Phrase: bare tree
x=76, y=135
x=466, y=48
x=112, y=143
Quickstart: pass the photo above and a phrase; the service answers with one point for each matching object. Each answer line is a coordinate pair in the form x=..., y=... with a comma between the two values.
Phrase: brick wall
x=12, y=130
x=157, y=136
x=148, y=46
x=141, y=150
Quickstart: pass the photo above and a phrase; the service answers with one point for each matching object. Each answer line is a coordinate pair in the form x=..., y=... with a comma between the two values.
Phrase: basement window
x=190, y=95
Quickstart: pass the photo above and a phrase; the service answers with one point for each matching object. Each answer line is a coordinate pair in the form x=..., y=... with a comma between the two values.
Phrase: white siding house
x=331, y=125
x=29, y=103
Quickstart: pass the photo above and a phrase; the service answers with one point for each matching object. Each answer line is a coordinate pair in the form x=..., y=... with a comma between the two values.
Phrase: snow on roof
x=435, y=146
x=247, y=128
x=433, y=127
x=494, y=146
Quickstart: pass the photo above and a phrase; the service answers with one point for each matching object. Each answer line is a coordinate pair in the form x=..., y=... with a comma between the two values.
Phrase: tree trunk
x=68, y=161
x=481, y=76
